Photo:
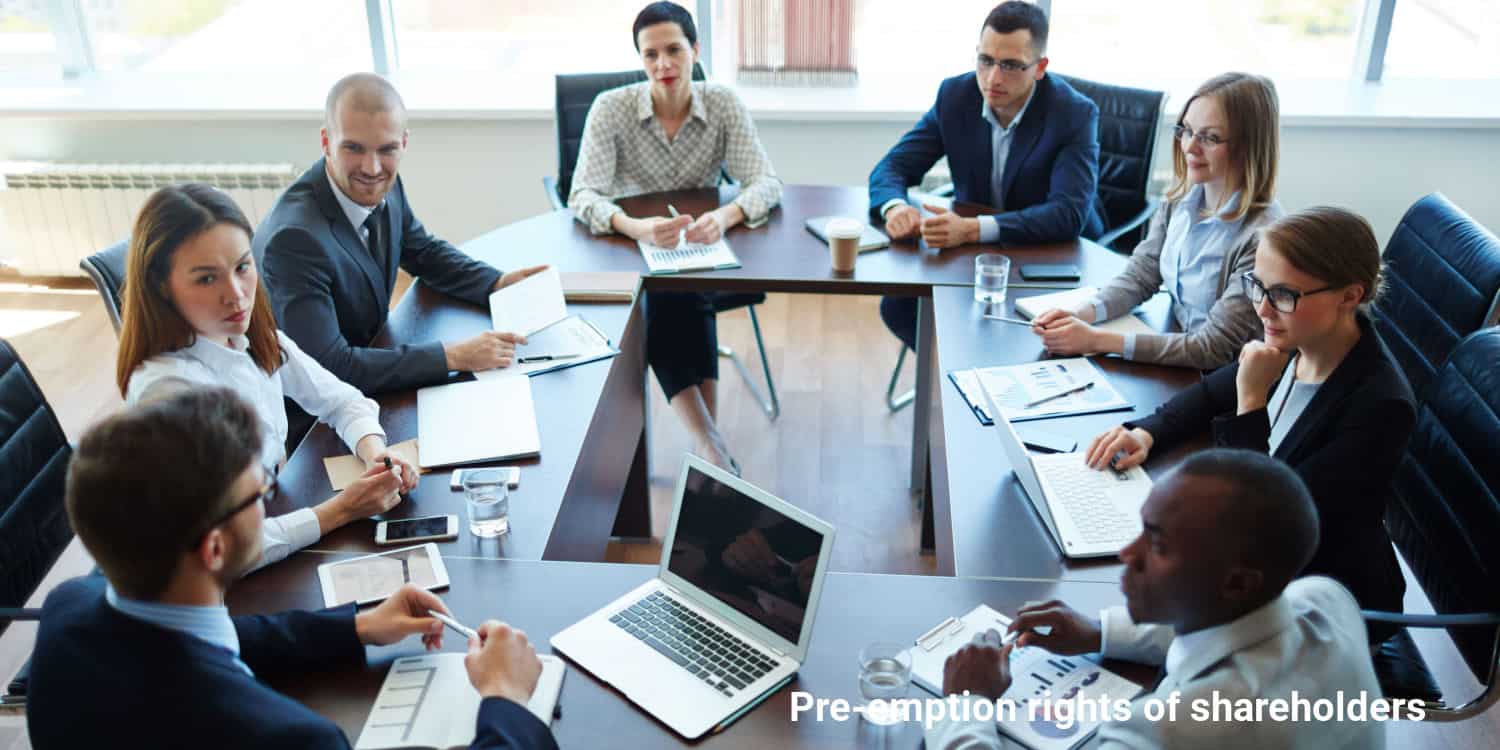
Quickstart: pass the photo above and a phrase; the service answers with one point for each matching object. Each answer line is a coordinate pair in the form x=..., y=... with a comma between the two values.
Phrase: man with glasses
x=168, y=498
x=1016, y=139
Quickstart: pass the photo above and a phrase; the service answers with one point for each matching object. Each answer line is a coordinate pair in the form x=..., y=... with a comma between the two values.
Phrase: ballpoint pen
x=1060, y=394
x=390, y=468
x=457, y=626
x=545, y=358
x=1012, y=321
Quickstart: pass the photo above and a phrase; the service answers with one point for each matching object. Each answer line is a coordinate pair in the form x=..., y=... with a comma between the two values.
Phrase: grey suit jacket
x=1231, y=321
x=1308, y=643
x=332, y=298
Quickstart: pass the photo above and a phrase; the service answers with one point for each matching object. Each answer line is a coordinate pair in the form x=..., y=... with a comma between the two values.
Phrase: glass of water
x=487, y=498
x=991, y=274
x=884, y=674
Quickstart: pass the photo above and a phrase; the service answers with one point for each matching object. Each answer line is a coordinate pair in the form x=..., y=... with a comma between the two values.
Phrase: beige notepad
x=343, y=470
x=600, y=286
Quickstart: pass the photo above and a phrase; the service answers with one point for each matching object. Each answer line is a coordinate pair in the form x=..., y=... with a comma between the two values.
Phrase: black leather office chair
x=107, y=269
x=34, y=455
x=1128, y=121
x=575, y=95
x=1446, y=522
x=1442, y=284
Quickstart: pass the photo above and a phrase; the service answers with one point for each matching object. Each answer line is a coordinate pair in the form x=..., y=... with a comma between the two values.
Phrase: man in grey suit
x=331, y=246
x=1211, y=596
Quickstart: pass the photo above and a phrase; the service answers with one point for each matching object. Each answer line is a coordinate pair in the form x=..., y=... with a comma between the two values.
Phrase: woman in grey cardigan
x=1224, y=160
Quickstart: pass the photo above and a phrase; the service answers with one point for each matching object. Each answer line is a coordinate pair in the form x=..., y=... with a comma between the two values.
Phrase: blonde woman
x=1224, y=159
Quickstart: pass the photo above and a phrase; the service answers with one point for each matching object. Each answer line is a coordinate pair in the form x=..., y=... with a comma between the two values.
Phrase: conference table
x=589, y=482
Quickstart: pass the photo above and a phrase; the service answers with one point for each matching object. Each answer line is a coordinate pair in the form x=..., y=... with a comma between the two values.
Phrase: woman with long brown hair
x=195, y=314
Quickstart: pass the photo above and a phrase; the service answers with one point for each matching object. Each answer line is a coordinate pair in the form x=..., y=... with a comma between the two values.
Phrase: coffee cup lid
x=846, y=229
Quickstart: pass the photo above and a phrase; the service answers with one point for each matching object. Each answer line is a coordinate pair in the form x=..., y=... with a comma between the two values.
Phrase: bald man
x=331, y=246
x=1211, y=596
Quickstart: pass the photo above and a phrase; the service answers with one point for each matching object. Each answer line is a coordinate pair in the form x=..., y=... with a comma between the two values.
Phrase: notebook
x=1030, y=307
x=529, y=305
x=870, y=238
x=1036, y=674
x=492, y=419
x=1017, y=389
x=569, y=342
x=600, y=286
x=688, y=256
x=427, y=702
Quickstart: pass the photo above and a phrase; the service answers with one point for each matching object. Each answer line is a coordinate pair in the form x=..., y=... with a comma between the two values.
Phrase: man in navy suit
x=168, y=498
x=331, y=246
x=1016, y=139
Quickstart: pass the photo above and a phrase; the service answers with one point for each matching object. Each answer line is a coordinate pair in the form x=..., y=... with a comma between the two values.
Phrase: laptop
x=728, y=618
x=1089, y=513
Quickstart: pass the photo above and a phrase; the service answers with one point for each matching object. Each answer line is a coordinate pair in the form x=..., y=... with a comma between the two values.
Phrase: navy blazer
x=1051, y=174
x=100, y=678
x=1345, y=446
x=332, y=299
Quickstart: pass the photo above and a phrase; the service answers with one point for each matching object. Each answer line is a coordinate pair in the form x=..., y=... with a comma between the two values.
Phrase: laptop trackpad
x=1129, y=498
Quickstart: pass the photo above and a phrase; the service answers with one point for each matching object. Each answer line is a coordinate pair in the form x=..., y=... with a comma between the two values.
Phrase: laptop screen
x=745, y=554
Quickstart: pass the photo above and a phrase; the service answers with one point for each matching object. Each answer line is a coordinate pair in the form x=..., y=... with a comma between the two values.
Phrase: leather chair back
x=107, y=269
x=1446, y=515
x=1128, y=120
x=1442, y=279
x=34, y=455
x=575, y=95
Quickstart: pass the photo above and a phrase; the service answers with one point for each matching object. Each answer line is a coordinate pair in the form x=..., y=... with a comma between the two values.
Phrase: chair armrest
x=550, y=184
x=1108, y=238
x=20, y=613
x=1472, y=619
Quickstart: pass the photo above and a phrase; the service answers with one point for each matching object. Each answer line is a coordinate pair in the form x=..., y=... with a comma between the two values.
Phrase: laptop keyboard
x=1081, y=492
x=707, y=651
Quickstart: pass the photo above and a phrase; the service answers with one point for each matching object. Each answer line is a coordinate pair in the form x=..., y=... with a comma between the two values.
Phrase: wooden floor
x=835, y=451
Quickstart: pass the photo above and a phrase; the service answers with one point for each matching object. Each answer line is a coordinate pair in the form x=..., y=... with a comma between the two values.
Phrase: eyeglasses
x=265, y=494
x=1282, y=298
x=1008, y=67
x=1206, y=140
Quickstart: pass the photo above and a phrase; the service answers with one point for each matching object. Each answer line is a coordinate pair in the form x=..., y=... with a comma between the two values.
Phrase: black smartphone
x=1049, y=272
x=1043, y=440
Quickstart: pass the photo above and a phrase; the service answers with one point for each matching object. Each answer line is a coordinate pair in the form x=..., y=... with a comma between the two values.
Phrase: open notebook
x=1030, y=307
x=427, y=702
x=688, y=256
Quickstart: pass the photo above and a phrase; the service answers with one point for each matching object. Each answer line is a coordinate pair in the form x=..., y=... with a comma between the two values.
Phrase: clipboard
x=574, y=339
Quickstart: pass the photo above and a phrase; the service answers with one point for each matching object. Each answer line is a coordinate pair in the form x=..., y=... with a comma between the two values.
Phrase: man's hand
x=403, y=614
x=486, y=351
x=902, y=221
x=982, y=667
x=1071, y=633
x=502, y=663
x=514, y=276
x=947, y=229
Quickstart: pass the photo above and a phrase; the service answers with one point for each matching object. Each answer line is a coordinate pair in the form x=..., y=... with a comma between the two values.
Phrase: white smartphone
x=512, y=477
x=372, y=578
x=423, y=529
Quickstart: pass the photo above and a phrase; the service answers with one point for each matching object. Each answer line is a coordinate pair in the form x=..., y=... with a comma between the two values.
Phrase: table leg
x=633, y=523
x=922, y=408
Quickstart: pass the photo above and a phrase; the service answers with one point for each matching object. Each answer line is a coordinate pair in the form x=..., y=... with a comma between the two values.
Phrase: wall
x=468, y=176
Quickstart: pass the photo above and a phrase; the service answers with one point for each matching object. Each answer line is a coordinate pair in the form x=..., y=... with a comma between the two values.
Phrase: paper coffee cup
x=843, y=243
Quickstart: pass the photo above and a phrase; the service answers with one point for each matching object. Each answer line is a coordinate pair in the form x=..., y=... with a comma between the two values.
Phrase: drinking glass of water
x=991, y=273
x=487, y=498
x=884, y=674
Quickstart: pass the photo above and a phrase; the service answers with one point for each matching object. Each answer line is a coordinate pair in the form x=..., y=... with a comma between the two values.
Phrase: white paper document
x=428, y=702
x=529, y=305
x=1018, y=390
x=1037, y=675
x=491, y=419
x=688, y=256
x=1030, y=307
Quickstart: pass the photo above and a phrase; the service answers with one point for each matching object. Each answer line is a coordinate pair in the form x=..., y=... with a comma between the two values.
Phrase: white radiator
x=54, y=215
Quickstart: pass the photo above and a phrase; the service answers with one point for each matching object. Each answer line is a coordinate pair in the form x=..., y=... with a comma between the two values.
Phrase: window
x=1161, y=42
x=528, y=37
x=209, y=36
x=1444, y=39
x=27, y=45
x=897, y=38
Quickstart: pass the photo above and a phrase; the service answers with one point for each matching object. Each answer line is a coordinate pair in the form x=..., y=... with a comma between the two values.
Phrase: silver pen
x=457, y=626
x=1012, y=321
x=1060, y=394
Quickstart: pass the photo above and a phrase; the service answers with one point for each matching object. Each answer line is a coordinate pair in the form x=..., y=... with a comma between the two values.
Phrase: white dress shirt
x=625, y=151
x=209, y=624
x=300, y=377
x=357, y=214
x=1310, y=640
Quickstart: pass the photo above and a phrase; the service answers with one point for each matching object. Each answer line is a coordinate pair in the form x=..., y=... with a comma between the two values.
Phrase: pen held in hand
x=545, y=358
x=392, y=469
x=453, y=624
x=1060, y=394
x=1012, y=321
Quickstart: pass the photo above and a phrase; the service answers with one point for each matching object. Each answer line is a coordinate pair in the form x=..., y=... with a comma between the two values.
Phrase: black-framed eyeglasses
x=1009, y=67
x=1207, y=140
x=265, y=494
x=1282, y=298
